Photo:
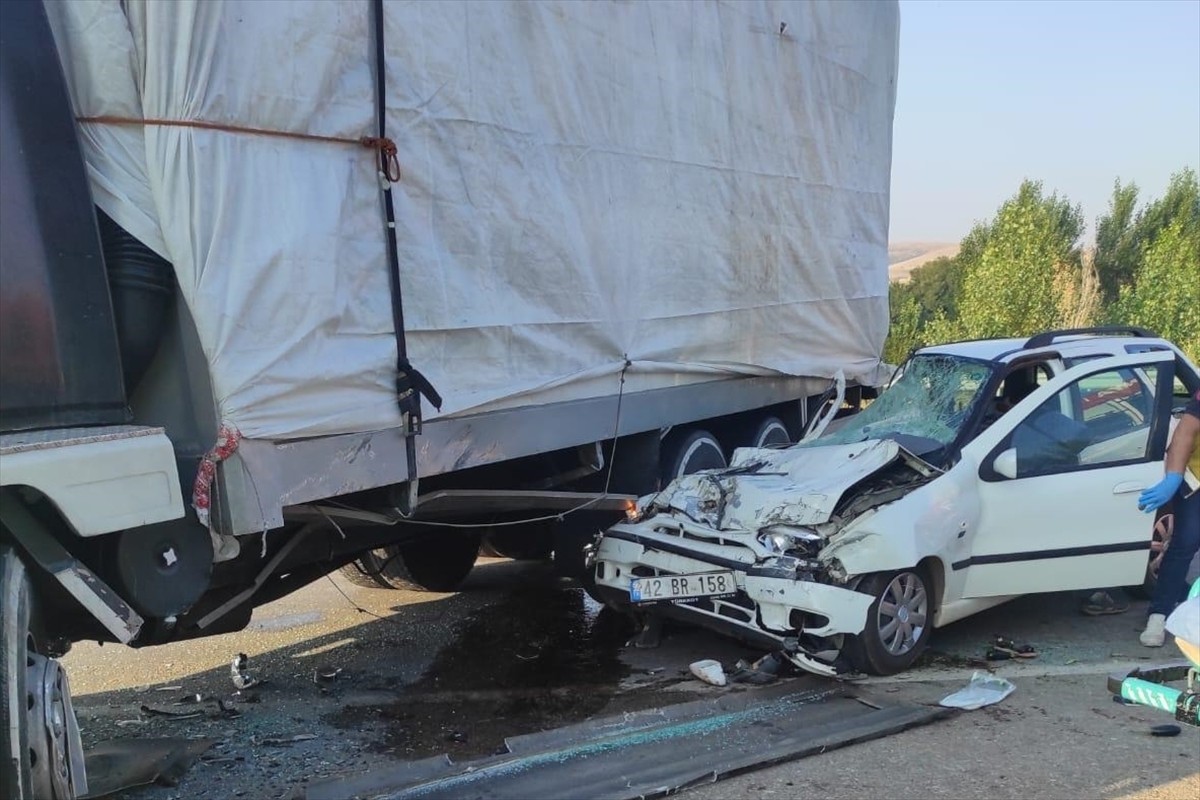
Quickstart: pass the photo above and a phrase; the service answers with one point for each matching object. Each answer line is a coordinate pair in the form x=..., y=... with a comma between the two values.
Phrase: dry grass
x=904, y=257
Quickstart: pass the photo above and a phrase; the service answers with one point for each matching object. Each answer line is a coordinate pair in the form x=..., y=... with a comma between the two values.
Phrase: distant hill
x=904, y=257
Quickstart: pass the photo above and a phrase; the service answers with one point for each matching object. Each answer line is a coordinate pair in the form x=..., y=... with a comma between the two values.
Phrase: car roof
x=1005, y=350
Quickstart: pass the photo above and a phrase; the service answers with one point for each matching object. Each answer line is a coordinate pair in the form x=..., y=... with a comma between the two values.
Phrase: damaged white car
x=986, y=470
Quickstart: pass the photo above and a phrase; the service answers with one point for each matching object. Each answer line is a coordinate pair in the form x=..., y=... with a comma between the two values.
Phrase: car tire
x=687, y=451
x=893, y=639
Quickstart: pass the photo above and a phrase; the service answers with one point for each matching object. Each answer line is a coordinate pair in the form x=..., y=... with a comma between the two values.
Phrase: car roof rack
x=1048, y=337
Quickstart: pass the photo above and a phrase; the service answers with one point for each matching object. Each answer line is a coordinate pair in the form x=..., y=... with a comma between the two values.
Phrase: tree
x=936, y=287
x=1123, y=236
x=906, y=324
x=1019, y=261
x=1117, y=251
x=1165, y=293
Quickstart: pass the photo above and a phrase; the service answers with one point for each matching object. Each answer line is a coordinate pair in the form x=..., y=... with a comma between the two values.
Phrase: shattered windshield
x=926, y=406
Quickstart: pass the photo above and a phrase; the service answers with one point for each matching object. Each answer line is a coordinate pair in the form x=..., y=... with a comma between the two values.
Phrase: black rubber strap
x=409, y=381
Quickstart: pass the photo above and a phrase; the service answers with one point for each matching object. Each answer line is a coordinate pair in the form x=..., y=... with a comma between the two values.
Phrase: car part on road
x=984, y=689
x=115, y=766
x=41, y=751
x=649, y=754
x=237, y=670
x=708, y=670
x=1165, y=730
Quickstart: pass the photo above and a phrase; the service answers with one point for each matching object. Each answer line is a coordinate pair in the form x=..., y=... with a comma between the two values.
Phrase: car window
x=924, y=408
x=1104, y=418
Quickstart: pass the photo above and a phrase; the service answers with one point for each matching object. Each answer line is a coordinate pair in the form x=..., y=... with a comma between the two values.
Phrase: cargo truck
x=288, y=288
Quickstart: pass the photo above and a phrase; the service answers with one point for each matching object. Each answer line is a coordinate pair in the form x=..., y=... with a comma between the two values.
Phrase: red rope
x=389, y=161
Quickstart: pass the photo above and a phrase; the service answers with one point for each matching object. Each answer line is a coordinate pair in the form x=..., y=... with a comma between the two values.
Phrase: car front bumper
x=776, y=605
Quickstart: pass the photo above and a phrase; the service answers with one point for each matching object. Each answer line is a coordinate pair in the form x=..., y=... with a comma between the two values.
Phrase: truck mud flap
x=650, y=753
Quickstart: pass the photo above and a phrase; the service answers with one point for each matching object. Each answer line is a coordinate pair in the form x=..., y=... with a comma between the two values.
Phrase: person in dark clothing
x=1183, y=455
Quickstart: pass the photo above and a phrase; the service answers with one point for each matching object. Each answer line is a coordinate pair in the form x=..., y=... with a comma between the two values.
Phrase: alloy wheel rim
x=903, y=613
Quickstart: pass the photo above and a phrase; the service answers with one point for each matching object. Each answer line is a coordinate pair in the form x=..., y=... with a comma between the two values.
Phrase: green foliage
x=905, y=332
x=1117, y=251
x=1123, y=236
x=1024, y=271
x=1165, y=293
x=936, y=287
x=1010, y=291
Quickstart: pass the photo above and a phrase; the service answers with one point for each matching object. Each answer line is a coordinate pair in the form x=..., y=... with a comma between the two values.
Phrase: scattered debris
x=763, y=671
x=162, y=712
x=237, y=670
x=219, y=709
x=168, y=688
x=189, y=699
x=326, y=674
x=285, y=740
x=650, y=636
x=115, y=766
x=1168, y=729
x=983, y=690
x=456, y=736
x=1004, y=648
x=129, y=723
x=709, y=671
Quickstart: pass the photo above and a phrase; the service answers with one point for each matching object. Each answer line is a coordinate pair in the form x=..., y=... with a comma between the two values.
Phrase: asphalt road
x=517, y=651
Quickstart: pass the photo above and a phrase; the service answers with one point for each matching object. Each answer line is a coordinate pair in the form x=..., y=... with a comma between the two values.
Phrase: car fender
x=934, y=520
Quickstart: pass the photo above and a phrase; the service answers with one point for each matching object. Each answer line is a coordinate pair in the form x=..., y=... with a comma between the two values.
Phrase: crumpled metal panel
x=762, y=487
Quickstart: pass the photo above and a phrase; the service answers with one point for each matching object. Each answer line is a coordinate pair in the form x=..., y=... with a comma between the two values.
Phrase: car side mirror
x=1006, y=463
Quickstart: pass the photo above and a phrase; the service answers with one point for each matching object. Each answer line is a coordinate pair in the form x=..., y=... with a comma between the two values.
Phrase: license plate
x=677, y=587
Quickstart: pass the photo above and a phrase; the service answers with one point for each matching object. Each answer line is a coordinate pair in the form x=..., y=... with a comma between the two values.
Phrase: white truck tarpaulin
x=701, y=187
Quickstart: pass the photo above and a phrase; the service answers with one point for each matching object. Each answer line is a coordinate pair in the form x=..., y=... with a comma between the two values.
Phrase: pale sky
x=1074, y=93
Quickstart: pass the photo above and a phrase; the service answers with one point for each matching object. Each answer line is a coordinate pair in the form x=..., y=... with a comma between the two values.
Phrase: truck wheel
x=690, y=451
x=437, y=564
x=771, y=432
x=368, y=569
x=898, y=622
x=41, y=751
x=532, y=542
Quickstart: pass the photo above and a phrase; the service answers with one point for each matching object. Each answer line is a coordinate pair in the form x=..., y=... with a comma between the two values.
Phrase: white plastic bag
x=709, y=671
x=983, y=690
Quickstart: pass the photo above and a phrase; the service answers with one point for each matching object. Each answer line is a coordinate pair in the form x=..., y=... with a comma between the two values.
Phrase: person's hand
x=1157, y=495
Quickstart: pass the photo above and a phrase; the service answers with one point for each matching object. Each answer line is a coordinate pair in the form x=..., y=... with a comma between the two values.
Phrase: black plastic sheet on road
x=649, y=753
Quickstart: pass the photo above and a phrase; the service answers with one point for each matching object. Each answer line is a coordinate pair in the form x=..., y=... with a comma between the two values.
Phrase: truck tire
x=687, y=451
x=531, y=542
x=42, y=760
x=771, y=432
x=899, y=622
x=436, y=564
x=367, y=570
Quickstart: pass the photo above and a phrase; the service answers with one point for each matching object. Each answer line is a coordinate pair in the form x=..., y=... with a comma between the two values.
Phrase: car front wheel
x=899, y=622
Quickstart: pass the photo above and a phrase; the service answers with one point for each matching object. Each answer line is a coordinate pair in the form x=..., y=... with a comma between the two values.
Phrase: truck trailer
x=288, y=288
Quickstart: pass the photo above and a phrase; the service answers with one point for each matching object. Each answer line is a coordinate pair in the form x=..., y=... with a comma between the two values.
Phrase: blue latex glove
x=1157, y=495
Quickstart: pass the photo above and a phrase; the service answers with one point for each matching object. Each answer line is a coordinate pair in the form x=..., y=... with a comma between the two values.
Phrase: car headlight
x=784, y=538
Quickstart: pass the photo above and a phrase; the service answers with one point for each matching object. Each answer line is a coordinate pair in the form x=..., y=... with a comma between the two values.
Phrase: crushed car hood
x=763, y=487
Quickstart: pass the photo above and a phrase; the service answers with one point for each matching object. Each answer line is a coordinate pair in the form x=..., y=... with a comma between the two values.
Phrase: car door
x=1059, y=477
